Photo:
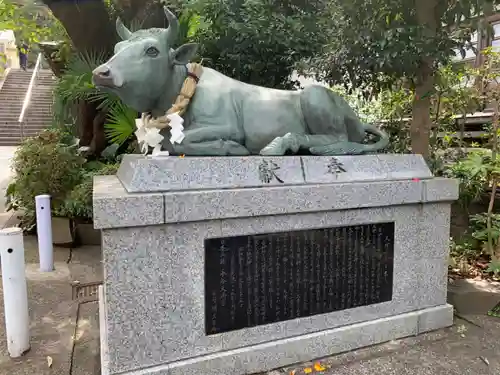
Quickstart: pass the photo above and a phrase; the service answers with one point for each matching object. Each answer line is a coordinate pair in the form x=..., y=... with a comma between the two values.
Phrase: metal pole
x=15, y=293
x=44, y=232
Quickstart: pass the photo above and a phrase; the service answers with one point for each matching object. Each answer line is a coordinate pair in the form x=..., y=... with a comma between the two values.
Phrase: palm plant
x=76, y=85
x=120, y=124
x=76, y=82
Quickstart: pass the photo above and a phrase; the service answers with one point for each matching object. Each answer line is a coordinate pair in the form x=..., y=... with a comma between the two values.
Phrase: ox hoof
x=271, y=151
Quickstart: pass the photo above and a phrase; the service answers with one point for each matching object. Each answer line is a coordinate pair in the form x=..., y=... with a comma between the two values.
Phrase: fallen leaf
x=461, y=329
x=292, y=372
x=485, y=360
x=49, y=361
x=308, y=370
x=319, y=367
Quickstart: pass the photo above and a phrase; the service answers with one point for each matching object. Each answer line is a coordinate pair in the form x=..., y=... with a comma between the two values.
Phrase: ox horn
x=122, y=30
x=173, y=27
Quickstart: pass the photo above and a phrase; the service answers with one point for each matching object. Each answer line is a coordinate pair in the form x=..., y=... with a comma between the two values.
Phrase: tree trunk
x=87, y=24
x=149, y=13
x=85, y=122
x=99, y=141
x=426, y=11
x=421, y=123
x=90, y=29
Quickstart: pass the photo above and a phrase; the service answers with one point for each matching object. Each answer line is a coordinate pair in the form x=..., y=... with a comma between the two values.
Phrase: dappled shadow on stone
x=462, y=349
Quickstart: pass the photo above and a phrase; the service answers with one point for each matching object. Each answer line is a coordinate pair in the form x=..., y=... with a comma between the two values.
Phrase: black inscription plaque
x=268, y=278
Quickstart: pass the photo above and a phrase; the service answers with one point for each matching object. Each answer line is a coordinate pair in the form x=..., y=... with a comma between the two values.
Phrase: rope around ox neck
x=183, y=99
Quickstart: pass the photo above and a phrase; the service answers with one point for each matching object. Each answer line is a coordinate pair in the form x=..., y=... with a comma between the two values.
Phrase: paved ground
x=61, y=328
x=463, y=349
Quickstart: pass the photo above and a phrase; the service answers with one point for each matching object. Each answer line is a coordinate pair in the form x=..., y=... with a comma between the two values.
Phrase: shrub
x=46, y=164
x=472, y=173
x=78, y=204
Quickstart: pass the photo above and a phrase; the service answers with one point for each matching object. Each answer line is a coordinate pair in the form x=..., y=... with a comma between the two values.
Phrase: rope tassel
x=183, y=99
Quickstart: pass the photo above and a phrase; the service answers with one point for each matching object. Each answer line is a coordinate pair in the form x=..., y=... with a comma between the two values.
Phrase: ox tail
x=353, y=148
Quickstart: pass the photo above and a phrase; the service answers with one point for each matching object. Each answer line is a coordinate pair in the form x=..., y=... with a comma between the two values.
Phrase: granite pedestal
x=160, y=219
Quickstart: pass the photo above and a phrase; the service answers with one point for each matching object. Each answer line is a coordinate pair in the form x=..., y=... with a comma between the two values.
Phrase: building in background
x=8, y=49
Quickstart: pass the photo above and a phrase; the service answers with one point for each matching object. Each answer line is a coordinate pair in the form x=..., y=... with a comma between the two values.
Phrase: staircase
x=38, y=115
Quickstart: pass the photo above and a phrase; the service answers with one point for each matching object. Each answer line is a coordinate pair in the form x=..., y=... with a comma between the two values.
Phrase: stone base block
x=302, y=348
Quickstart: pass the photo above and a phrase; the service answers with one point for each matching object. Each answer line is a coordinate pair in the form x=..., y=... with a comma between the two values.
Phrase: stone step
x=6, y=112
x=12, y=122
x=27, y=121
x=6, y=109
x=13, y=93
x=42, y=101
x=32, y=116
x=11, y=84
x=37, y=103
x=10, y=141
x=39, y=112
x=14, y=96
x=21, y=90
x=16, y=129
x=27, y=82
x=12, y=110
x=17, y=133
x=33, y=120
x=9, y=97
x=15, y=125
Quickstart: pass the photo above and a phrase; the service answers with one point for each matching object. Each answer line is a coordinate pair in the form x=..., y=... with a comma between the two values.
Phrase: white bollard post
x=15, y=293
x=44, y=231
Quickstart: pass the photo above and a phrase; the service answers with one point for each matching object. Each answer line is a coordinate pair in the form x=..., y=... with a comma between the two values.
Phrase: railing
x=27, y=98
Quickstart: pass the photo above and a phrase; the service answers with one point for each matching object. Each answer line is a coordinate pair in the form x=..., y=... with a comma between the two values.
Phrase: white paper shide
x=148, y=134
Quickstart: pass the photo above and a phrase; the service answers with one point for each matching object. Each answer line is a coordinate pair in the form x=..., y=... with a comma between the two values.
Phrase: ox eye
x=152, y=52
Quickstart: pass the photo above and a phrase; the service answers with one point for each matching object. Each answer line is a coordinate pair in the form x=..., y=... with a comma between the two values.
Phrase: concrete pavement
x=62, y=328
x=466, y=348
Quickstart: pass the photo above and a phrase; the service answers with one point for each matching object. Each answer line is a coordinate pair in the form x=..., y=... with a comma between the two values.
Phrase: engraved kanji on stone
x=335, y=167
x=267, y=171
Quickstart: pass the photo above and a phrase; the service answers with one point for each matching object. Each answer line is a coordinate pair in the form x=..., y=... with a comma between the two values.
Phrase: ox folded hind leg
x=211, y=148
x=294, y=142
x=338, y=148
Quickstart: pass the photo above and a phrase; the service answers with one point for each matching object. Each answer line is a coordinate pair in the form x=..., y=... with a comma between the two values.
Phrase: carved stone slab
x=145, y=174
x=140, y=174
x=328, y=169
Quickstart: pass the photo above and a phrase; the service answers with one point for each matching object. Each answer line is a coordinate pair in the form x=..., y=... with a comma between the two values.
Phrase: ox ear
x=184, y=54
x=122, y=30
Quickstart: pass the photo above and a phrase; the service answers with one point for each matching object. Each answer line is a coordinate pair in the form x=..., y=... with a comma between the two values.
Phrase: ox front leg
x=211, y=148
x=294, y=142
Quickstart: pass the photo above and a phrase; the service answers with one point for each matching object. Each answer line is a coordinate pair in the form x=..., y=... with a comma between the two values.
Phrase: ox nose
x=103, y=71
x=102, y=76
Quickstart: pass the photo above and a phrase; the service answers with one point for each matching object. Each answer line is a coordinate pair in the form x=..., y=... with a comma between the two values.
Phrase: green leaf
x=120, y=124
